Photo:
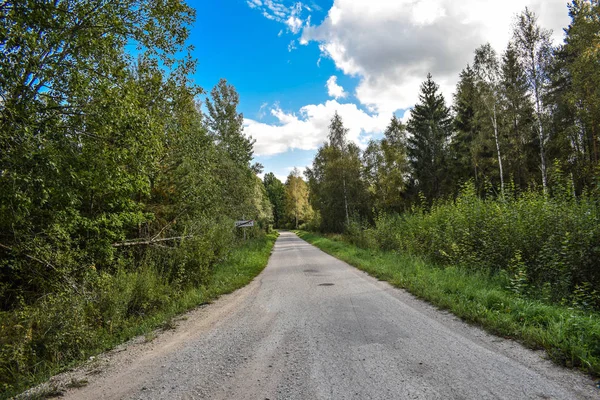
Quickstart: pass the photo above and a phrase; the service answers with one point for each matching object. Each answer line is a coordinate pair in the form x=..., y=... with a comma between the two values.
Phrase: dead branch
x=149, y=242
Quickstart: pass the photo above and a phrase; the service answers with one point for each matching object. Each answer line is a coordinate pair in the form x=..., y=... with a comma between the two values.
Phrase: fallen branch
x=149, y=242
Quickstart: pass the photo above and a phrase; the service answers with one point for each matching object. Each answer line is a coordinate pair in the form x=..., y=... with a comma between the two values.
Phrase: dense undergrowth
x=570, y=336
x=64, y=328
x=547, y=247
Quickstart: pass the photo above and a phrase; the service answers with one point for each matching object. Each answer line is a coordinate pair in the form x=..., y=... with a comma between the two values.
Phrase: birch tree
x=487, y=70
x=535, y=54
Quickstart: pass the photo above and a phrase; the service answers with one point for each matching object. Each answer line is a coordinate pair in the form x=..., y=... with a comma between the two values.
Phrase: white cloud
x=333, y=89
x=309, y=129
x=294, y=24
x=276, y=10
x=292, y=46
x=392, y=45
x=262, y=110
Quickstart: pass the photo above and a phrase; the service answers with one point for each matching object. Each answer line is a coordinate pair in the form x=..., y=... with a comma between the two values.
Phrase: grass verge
x=242, y=265
x=570, y=337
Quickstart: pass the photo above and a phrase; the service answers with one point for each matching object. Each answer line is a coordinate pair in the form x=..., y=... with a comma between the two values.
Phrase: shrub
x=552, y=241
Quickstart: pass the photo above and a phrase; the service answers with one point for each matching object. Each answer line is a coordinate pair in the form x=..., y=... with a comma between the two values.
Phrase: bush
x=554, y=241
x=40, y=337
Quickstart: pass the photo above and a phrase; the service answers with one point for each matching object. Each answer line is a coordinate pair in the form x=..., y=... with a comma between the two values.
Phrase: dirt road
x=312, y=327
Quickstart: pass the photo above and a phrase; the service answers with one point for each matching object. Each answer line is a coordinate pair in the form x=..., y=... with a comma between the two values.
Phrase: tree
x=467, y=129
x=386, y=168
x=276, y=193
x=82, y=130
x=534, y=47
x=235, y=174
x=336, y=188
x=487, y=71
x=518, y=118
x=337, y=140
x=575, y=93
x=297, y=206
x=227, y=125
x=430, y=125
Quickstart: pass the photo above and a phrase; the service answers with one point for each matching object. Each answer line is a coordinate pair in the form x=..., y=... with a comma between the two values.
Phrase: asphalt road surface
x=312, y=327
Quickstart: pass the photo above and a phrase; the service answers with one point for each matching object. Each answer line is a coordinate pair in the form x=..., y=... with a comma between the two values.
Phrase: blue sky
x=295, y=63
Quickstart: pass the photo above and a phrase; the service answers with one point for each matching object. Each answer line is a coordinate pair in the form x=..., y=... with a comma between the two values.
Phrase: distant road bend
x=312, y=327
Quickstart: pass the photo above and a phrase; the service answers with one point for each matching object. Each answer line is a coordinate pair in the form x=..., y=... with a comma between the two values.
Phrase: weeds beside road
x=69, y=323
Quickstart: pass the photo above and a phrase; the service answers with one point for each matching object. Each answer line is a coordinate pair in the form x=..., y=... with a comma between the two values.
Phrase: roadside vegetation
x=59, y=331
x=118, y=193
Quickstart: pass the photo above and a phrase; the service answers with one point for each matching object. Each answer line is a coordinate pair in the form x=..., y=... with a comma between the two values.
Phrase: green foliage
x=386, y=168
x=518, y=282
x=297, y=207
x=570, y=337
x=117, y=195
x=226, y=124
x=40, y=339
x=430, y=125
x=276, y=195
x=538, y=241
x=336, y=188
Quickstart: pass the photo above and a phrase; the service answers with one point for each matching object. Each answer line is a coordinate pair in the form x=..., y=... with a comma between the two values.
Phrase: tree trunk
x=497, y=139
x=538, y=111
x=346, y=203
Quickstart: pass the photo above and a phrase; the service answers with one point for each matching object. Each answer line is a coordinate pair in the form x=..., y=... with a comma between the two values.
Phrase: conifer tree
x=518, y=116
x=430, y=125
x=467, y=128
x=576, y=93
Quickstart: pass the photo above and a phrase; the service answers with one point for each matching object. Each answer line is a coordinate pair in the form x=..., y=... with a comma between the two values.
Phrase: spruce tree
x=430, y=126
x=518, y=116
x=576, y=93
x=467, y=128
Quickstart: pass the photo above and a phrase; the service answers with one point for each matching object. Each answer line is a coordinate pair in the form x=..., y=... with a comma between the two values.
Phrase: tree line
x=105, y=154
x=517, y=121
x=120, y=179
x=503, y=180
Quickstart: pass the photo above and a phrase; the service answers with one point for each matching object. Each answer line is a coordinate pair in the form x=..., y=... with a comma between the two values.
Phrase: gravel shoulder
x=311, y=326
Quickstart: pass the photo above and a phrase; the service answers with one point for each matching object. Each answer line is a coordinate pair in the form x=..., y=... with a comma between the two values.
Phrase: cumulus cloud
x=392, y=45
x=333, y=89
x=308, y=129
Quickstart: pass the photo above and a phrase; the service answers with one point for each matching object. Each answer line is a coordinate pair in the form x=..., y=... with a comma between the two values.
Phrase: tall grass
x=59, y=330
x=548, y=247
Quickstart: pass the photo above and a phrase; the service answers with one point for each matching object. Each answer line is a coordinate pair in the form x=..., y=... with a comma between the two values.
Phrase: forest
x=118, y=194
x=503, y=178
